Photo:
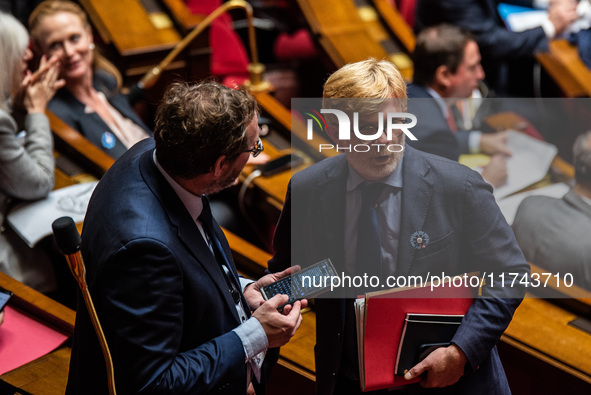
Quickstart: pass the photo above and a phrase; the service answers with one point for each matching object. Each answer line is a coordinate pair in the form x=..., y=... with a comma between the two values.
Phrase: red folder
x=385, y=312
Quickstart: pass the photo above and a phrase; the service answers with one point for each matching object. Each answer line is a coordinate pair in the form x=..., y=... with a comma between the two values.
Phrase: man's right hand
x=494, y=143
x=279, y=327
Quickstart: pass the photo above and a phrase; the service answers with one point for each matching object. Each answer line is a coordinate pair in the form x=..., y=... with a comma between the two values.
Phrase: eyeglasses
x=258, y=148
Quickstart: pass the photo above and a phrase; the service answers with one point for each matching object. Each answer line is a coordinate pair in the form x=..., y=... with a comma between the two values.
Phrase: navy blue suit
x=467, y=232
x=161, y=297
x=70, y=110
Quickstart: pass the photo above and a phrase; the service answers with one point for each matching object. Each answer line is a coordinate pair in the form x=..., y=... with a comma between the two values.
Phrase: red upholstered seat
x=229, y=59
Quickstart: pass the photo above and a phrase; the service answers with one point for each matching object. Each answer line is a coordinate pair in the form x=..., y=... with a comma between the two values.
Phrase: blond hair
x=375, y=81
x=13, y=43
x=52, y=7
x=371, y=78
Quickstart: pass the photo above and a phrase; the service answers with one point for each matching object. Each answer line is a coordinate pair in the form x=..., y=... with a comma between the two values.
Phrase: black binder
x=421, y=334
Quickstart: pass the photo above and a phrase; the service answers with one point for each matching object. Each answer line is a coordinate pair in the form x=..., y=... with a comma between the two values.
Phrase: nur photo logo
x=357, y=135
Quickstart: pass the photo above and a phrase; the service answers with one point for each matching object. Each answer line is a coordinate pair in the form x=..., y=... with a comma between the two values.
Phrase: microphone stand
x=68, y=240
x=255, y=68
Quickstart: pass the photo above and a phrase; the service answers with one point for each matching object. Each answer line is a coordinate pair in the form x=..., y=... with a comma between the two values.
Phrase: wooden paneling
x=564, y=65
x=351, y=31
x=139, y=39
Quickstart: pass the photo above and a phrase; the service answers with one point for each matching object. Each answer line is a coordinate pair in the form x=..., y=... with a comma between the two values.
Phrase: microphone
x=68, y=241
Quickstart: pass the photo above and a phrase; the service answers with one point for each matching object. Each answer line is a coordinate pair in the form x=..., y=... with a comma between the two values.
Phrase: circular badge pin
x=419, y=240
x=108, y=140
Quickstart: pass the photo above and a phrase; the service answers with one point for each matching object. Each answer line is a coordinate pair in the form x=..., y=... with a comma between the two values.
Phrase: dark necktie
x=207, y=221
x=369, y=247
x=231, y=280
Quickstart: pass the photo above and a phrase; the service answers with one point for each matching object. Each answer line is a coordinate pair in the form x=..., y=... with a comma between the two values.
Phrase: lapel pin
x=419, y=240
x=108, y=140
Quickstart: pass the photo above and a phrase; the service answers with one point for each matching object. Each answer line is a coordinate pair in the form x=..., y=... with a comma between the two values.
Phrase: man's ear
x=443, y=77
x=219, y=166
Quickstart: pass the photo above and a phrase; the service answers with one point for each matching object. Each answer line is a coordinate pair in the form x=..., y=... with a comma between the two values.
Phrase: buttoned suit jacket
x=551, y=232
x=467, y=232
x=71, y=110
x=162, y=299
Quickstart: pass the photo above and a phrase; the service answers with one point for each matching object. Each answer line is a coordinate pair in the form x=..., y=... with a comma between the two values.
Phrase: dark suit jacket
x=497, y=44
x=482, y=19
x=161, y=297
x=70, y=110
x=467, y=232
x=432, y=131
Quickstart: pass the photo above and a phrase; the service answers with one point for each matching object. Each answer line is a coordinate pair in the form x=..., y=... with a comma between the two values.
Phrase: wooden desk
x=350, y=33
x=48, y=374
x=137, y=38
x=564, y=65
x=542, y=352
x=272, y=189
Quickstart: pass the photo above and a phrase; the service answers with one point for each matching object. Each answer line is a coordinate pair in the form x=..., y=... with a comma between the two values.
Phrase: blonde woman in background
x=91, y=101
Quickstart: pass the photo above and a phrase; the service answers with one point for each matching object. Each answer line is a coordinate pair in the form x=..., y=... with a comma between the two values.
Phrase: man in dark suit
x=447, y=71
x=503, y=51
x=433, y=215
x=173, y=309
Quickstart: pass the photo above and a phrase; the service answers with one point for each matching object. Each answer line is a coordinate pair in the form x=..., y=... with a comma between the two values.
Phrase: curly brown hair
x=198, y=123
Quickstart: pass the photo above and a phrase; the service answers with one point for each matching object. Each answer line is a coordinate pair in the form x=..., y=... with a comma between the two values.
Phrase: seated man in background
x=508, y=57
x=553, y=232
x=447, y=69
x=165, y=287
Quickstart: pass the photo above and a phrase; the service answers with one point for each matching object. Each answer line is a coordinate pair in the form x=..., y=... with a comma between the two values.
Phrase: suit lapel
x=332, y=202
x=416, y=197
x=332, y=192
x=187, y=230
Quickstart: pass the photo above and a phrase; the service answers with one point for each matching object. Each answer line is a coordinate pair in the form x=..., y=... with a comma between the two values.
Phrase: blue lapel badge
x=108, y=140
x=419, y=240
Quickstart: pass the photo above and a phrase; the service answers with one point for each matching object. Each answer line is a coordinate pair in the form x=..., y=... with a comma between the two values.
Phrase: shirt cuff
x=474, y=142
x=549, y=28
x=244, y=282
x=253, y=337
x=541, y=4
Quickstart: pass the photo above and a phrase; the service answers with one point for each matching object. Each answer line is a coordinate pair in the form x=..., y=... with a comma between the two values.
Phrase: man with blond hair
x=428, y=213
